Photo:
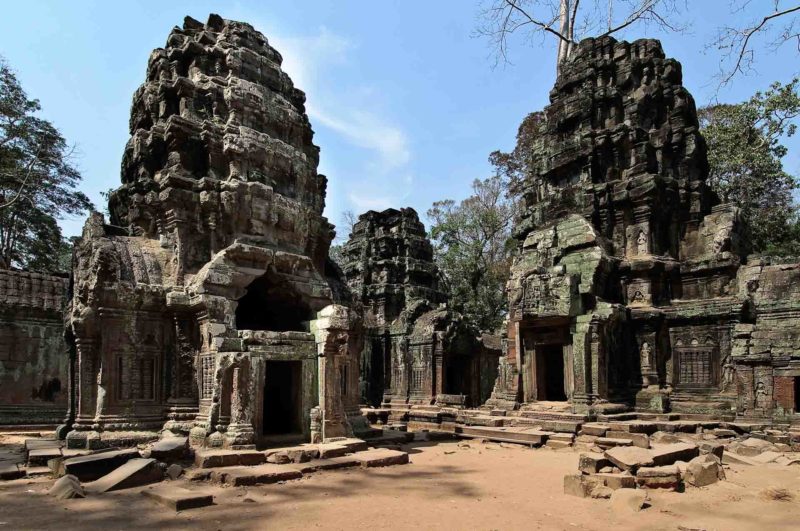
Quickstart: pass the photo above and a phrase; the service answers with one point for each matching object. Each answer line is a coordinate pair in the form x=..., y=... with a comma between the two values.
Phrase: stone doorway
x=797, y=394
x=271, y=304
x=282, y=399
x=550, y=373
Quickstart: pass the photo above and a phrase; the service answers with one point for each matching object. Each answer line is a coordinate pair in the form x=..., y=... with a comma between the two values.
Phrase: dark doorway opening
x=282, y=388
x=550, y=373
x=457, y=376
x=272, y=305
x=797, y=394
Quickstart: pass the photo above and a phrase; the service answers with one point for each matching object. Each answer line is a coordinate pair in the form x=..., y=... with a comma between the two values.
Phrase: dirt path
x=447, y=486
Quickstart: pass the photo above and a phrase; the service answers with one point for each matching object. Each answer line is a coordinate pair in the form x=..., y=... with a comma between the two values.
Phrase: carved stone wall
x=34, y=360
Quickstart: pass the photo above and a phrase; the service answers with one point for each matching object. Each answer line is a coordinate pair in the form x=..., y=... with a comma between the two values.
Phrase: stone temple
x=207, y=304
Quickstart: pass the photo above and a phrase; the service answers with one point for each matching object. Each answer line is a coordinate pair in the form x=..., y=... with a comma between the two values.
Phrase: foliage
x=37, y=181
x=745, y=153
x=518, y=165
x=473, y=250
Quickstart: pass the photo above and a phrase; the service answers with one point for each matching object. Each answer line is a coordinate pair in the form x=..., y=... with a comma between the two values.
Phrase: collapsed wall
x=417, y=351
x=627, y=291
x=204, y=305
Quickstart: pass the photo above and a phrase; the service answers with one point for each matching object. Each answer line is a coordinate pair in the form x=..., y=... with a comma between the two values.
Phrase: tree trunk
x=563, y=29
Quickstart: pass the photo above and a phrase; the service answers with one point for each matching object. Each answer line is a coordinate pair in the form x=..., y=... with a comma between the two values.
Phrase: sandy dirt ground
x=448, y=485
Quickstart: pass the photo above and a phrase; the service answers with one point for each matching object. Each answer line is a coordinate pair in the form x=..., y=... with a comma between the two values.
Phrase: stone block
x=67, y=487
x=256, y=475
x=659, y=477
x=174, y=471
x=134, y=473
x=178, y=498
x=94, y=466
x=332, y=463
x=327, y=450
x=637, y=439
x=378, y=457
x=629, y=458
x=634, y=426
x=40, y=456
x=609, y=442
x=668, y=454
x=618, y=480
x=592, y=463
x=711, y=447
x=704, y=470
x=580, y=485
x=598, y=429
x=170, y=449
x=10, y=471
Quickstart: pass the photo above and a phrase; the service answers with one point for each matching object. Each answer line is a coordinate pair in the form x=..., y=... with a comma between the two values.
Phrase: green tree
x=37, y=181
x=472, y=242
x=745, y=158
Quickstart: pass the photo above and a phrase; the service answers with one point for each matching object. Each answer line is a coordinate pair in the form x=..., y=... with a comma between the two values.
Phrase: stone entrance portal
x=551, y=384
x=282, y=398
x=547, y=363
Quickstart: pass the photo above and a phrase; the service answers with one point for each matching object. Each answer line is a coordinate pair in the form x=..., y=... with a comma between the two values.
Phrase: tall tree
x=745, y=157
x=472, y=241
x=777, y=23
x=568, y=21
x=37, y=181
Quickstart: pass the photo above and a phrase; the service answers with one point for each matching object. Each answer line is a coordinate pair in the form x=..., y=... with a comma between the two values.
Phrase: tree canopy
x=745, y=153
x=37, y=181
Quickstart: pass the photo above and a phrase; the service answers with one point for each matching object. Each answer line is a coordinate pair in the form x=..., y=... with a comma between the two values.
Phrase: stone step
x=378, y=457
x=610, y=442
x=210, y=458
x=40, y=456
x=333, y=463
x=10, y=471
x=239, y=476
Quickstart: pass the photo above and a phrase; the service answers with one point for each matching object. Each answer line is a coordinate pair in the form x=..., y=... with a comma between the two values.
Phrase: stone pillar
x=338, y=349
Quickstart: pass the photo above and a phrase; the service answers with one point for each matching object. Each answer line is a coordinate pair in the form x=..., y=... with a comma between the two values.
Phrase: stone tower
x=196, y=308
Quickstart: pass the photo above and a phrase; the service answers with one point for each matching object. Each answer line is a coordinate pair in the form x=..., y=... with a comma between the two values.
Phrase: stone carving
x=641, y=243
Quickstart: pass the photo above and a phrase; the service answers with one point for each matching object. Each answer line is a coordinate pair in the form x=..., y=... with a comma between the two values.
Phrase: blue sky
x=403, y=98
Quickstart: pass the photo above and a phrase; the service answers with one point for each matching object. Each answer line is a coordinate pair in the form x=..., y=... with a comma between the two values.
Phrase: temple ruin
x=417, y=351
x=206, y=304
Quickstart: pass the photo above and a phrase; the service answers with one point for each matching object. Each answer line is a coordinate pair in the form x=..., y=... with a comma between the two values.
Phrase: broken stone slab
x=353, y=445
x=40, y=444
x=711, y=447
x=170, y=449
x=724, y=433
x=296, y=454
x=628, y=500
x=668, y=454
x=659, y=477
x=752, y=447
x=378, y=457
x=629, y=458
x=598, y=429
x=134, y=473
x=94, y=466
x=592, y=463
x=561, y=426
x=204, y=458
x=178, y=498
x=618, y=480
x=729, y=458
x=704, y=470
x=10, y=471
x=767, y=457
x=240, y=476
x=67, y=487
x=637, y=439
x=558, y=445
x=662, y=437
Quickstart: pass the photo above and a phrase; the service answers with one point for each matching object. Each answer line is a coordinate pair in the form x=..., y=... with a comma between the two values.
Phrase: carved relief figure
x=641, y=243
x=644, y=354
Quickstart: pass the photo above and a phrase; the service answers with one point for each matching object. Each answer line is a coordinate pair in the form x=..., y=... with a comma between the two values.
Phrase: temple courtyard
x=448, y=484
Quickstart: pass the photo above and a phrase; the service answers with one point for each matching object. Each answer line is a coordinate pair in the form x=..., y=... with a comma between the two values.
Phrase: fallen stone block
x=39, y=444
x=601, y=492
x=767, y=457
x=659, y=477
x=220, y=458
x=704, y=470
x=618, y=480
x=729, y=458
x=174, y=471
x=629, y=458
x=134, y=473
x=592, y=463
x=558, y=445
x=752, y=447
x=332, y=463
x=662, y=437
x=633, y=426
x=178, y=498
x=628, y=500
x=327, y=450
x=67, y=487
x=353, y=445
x=279, y=458
x=724, y=433
x=296, y=454
x=170, y=449
x=580, y=485
x=378, y=457
x=711, y=447
x=667, y=454
x=94, y=466
x=40, y=456
x=598, y=429
x=637, y=439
